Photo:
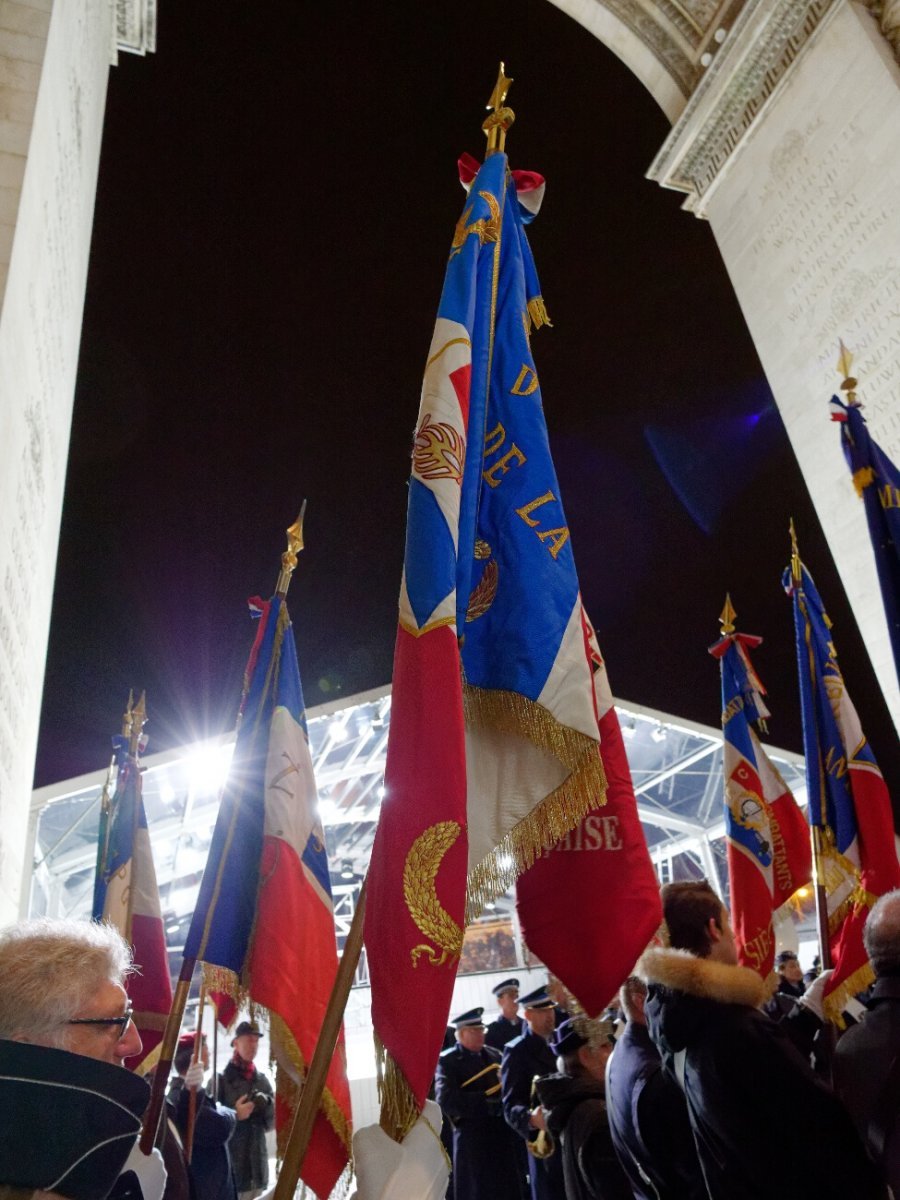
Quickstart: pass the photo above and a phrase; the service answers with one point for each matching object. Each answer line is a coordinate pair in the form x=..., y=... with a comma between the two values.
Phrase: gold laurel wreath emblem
x=487, y=230
x=439, y=451
x=419, y=873
x=485, y=590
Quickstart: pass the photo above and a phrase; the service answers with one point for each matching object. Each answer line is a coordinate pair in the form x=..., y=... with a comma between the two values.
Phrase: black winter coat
x=249, y=1157
x=764, y=1123
x=866, y=1067
x=576, y=1116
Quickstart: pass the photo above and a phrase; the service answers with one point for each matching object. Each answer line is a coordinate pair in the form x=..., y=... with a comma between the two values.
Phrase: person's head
x=539, y=1010
x=881, y=934
x=632, y=997
x=246, y=1040
x=470, y=1029
x=583, y=1047
x=185, y=1052
x=62, y=986
x=507, y=994
x=697, y=921
x=788, y=966
x=557, y=992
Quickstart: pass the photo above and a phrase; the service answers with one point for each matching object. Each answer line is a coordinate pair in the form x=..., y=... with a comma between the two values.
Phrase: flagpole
x=132, y=727
x=192, y=1098
x=314, y=1083
x=816, y=830
x=183, y=987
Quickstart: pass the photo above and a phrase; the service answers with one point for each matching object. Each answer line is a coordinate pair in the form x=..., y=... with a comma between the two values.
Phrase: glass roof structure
x=676, y=766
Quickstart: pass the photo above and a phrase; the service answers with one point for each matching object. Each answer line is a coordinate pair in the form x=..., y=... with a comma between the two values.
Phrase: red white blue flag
x=127, y=896
x=767, y=838
x=877, y=482
x=494, y=747
x=848, y=799
x=264, y=921
x=600, y=870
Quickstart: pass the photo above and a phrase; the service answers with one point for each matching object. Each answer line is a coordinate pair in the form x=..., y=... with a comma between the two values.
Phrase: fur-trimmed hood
x=687, y=993
x=681, y=971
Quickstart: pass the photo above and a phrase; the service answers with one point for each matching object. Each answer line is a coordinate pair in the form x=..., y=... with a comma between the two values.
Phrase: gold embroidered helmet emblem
x=439, y=451
x=419, y=874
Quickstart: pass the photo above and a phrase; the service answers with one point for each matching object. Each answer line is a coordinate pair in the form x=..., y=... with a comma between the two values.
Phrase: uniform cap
x=539, y=998
x=508, y=985
x=469, y=1020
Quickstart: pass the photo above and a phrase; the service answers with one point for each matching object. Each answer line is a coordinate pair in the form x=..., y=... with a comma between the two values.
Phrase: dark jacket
x=247, y=1147
x=502, y=1031
x=576, y=1116
x=648, y=1121
x=467, y=1087
x=762, y=1120
x=210, y=1164
x=523, y=1059
x=867, y=1077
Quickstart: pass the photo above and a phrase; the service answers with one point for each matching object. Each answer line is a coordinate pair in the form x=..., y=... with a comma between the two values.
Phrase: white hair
x=49, y=970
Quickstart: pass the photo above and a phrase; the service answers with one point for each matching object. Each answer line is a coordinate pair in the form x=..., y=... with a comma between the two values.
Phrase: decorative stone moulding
x=135, y=26
x=744, y=75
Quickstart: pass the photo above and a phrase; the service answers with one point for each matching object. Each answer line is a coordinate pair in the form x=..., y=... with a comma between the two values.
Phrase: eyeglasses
x=122, y=1022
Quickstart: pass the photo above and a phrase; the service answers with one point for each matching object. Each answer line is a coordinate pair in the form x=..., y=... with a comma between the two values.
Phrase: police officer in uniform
x=509, y=1024
x=524, y=1059
x=467, y=1087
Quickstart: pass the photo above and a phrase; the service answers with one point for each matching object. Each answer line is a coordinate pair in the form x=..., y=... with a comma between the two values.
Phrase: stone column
x=790, y=146
x=54, y=64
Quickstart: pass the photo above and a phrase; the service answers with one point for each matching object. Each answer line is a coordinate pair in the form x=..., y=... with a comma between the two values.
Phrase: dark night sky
x=276, y=199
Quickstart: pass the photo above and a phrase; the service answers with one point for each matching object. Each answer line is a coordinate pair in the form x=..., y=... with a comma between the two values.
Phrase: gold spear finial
x=796, y=571
x=501, y=118
x=128, y=715
x=844, y=365
x=138, y=721
x=289, y=558
x=726, y=618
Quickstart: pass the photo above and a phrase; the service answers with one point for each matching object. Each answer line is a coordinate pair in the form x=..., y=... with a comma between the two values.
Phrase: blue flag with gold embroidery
x=494, y=744
x=877, y=482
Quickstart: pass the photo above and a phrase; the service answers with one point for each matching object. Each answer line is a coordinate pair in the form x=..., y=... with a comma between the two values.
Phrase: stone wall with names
x=806, y=217
x=40, y=331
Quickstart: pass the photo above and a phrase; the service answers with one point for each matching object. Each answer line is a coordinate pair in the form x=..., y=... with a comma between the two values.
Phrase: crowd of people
x=699, y=1084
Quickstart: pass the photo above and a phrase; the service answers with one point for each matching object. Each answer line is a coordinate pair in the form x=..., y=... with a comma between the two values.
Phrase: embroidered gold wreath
x=438, y=451
x=487, y=230
x=419, y=873
x=485, y=590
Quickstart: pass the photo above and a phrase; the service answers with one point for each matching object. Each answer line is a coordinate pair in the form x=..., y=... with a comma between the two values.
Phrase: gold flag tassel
x=289, y=1082
x=553, y=817
x=399, y=1111
x=537, y=312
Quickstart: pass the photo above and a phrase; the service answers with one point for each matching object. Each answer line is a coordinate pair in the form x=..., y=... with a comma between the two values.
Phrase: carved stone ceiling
x=664, y=42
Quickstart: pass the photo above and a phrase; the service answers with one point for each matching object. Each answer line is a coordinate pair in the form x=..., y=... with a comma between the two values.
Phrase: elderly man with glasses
x=62, y=989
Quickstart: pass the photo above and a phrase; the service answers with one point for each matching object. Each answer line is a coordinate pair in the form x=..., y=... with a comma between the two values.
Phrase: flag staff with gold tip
x=498, y=123
x=726, y=618
x=816, y=830
x=152, y=1124
x=289, y=558
x=844, y=365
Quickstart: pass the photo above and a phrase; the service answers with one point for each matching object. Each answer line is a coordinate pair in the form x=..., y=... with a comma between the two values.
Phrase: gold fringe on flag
x=555, y=815
x=399, y=1111
x=862, y=479
x=221, y=979
x=289, y=1084
x=537, y=311
x=834, y=1002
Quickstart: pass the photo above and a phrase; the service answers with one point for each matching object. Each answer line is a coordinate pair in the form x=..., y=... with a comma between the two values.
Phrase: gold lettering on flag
x=526, y=383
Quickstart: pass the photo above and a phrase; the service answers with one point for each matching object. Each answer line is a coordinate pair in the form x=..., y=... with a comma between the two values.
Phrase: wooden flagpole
x=314, y=1083
x=816, y=831
x=192, y=1098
